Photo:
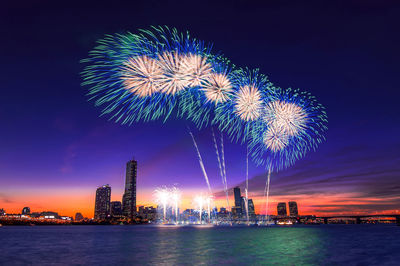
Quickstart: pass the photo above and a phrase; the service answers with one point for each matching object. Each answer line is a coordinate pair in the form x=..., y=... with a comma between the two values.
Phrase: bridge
x=359, y=217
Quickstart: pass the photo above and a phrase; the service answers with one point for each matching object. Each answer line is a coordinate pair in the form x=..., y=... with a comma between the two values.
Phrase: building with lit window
x=237, y=209
x=129, y=197
x=116, y=209
x=282, y=209
x=252, y=211
x=293, y=211
x=102, y=209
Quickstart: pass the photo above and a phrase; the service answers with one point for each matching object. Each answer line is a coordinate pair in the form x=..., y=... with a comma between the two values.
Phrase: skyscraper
x=236, y=193
x=102, y=204
x=252, y=211
x=129, y=197
x=282, y=209
x=26, y=211
x=293, y=209
x=116, y=208
x=238, y=201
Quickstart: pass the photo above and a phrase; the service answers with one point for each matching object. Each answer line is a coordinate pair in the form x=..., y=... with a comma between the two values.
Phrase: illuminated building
x=26, y=211
x=129, y=197
x=78, y=217
x=238, y=197
x=102, y=204
x=293, y=211
x=116, y=209
x=49, y=215
x=149, y=213
x=2, y=212
x=237, y=209
x=252, y=211
x=282, y=209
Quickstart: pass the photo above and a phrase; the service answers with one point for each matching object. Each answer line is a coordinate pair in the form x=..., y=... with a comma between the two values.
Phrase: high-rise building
x=238, y=196
x=237, y=209
x=78, y=217
x=116, y=208
x=252, y=211
x=26, y=211
x=2, y=212
x=129, y=197
x=293, y=209
x=250, y=206
x=282, y=209
x=102, y=204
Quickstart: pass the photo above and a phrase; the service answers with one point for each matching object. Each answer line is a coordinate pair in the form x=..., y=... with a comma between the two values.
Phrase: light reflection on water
x=150, y=245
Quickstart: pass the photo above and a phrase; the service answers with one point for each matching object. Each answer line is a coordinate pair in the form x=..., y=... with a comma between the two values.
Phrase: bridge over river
x=359, y=217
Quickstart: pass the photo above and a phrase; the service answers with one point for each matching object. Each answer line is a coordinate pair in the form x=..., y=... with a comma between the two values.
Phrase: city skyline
x=68, y=150
x=104, y=197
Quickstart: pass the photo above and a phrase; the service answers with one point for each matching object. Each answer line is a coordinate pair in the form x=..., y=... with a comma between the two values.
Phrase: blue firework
x=292, y=123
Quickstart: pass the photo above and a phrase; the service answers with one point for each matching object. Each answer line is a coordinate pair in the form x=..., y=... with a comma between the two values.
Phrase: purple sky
x=52, y=141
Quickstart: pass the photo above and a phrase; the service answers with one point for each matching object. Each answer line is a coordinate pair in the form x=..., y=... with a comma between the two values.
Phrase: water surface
x=150, y=245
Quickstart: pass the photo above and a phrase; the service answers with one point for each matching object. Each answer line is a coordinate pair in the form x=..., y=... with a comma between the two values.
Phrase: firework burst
x=141, y=75
x=146, y=76
x=174, y=77
x=218, y=88
x=293, y=124
x=248, y=103
x=196, y=68
x=287, y=116
x=275, y=138
x=237, y=115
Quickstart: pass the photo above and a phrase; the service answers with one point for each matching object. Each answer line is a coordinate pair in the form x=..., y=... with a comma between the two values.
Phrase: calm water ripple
x=150, y=245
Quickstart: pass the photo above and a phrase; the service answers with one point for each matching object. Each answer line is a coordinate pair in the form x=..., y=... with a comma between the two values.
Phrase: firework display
x=159, y=73
x=292, y=123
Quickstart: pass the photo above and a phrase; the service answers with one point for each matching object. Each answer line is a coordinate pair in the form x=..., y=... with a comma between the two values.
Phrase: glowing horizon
x=83, y=202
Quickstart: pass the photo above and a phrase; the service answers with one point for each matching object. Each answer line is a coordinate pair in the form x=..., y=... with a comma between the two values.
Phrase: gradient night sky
x=55, y=149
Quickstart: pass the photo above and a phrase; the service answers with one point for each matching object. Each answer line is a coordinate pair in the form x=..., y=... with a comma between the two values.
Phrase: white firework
x=217, y=88
x=140, y=75
x=290, y=117
x=196, y=69
x=174, y=77
x=275, y=139
x=248, y=103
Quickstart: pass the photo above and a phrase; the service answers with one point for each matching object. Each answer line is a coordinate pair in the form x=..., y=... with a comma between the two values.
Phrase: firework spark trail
x=175, y=197
x=201, y=162
x=162, y=196
x=247, y=185
x=223, y=167
x=209, y=209
x=220, y=167
x=266, y=194
x=200, y=201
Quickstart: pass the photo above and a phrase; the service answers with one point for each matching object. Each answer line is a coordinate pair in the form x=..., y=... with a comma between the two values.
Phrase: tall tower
x=252, y=211
x=129, y=197
x=282, y=209
x=236, y=193
x=293, y=209
x=238, y=201
x=102, y=204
